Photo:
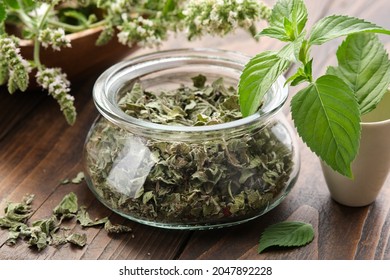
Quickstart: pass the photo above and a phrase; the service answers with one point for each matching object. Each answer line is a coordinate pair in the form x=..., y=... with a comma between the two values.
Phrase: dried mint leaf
x=13, y=236
x=5, y=222
x=48, y=231
x=77, y=239
x=201, y=104
x=110, y=228
x=65, y=181
x=58, y=239
x=48, y=226
x=76, y=180
x=84, y=219
x=37, y=238
x=67, y=207
x=79, y=178
x=199, y=81
x=18, y=212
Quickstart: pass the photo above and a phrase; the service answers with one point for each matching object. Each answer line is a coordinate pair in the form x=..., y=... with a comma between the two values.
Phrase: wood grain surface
x=38, y=149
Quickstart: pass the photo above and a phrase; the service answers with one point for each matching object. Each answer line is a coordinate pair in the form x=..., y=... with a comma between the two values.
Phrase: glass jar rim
x=106, y=99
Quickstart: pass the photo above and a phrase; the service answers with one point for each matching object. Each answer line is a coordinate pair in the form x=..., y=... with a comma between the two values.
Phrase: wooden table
x=38, y=149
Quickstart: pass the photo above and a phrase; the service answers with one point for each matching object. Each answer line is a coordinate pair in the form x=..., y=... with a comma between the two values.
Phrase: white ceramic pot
x=372, y=164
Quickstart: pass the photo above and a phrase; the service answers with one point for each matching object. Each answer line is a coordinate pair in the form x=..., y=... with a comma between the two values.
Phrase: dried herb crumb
x=68, y=206
x=85, y=221
x=76, y=180
x=77, y=239
x=110, y=228
x=64, y=181
x=49, y=231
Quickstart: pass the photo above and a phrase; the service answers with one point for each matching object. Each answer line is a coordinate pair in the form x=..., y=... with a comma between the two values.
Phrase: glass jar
x=188, y=177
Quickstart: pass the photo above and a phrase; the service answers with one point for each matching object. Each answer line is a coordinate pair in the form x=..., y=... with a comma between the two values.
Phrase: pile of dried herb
x=197, y=182
x=49, y=231
x=190, y=106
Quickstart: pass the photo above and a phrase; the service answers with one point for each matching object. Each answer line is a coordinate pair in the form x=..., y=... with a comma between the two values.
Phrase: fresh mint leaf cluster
x=327, y=111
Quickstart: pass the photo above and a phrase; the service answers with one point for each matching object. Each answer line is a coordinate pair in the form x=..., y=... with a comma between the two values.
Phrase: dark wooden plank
x=15, y=107
x=376, y=231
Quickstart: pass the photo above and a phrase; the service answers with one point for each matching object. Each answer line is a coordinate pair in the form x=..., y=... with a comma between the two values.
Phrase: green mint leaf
x=29, y=5
x=286, y=234
x=14, y=4
x=169, y=6
x=326, y=115
x=303, y=74
x=332, y=27
x=364, y=65
x=3, y=13
x=304, y=52
x=275, y=33
x=287, y=20
x=257, y=78
x=297, y=78
x=288, y=28
x=68, y=206
x=308, y=68
x=291, y=50
x=299, y=15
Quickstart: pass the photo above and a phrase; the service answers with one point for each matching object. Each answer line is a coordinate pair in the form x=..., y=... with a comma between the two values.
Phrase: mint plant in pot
x=51, y=42
x=329, y=113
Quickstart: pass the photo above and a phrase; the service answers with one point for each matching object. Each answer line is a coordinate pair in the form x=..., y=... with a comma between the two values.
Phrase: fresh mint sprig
x=327, y=111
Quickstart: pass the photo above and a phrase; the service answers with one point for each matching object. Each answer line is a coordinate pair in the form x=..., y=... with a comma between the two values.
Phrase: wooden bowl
x=84, y=57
